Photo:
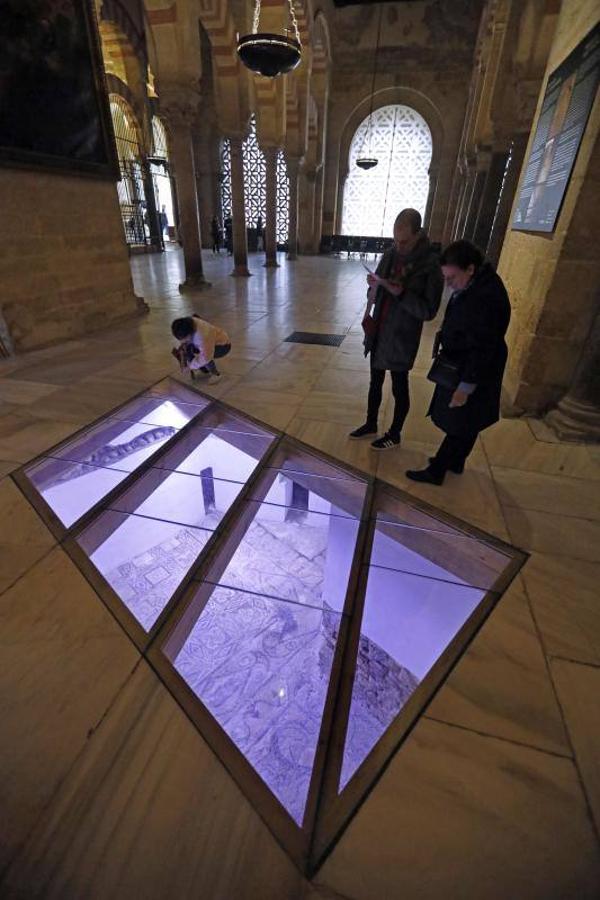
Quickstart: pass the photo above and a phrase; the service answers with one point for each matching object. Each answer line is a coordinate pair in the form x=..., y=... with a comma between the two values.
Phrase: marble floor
x=107, y=788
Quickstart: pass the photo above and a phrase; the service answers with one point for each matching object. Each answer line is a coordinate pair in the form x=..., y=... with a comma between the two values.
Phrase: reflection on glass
x=144, y=560
x=162, y=412
x=197, y=500
x=291, y=459
x=116, y=444
x=407, y=623
x=294, y=555
x=71, y=489
x=231, y=455
x=262, y=668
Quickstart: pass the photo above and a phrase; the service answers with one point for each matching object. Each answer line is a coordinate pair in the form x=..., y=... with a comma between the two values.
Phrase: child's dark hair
x=462, y=254
x=182, y=328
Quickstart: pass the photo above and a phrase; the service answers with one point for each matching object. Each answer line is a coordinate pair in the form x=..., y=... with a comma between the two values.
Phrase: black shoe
x=425, y=475
x=387, y=442
x=364, y=431
x=457, y=470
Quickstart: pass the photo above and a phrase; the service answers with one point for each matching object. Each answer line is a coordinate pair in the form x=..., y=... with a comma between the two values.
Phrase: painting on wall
x=568, y=100
x=53, y=103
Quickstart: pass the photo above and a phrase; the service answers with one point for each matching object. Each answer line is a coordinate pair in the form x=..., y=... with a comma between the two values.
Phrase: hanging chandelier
x=365, y=160
x=270, y=54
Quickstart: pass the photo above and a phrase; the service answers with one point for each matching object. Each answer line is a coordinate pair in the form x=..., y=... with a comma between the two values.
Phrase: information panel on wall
x=569, y=96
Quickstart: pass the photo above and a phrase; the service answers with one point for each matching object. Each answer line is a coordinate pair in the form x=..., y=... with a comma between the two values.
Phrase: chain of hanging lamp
x=293, y=19
x=368, y=162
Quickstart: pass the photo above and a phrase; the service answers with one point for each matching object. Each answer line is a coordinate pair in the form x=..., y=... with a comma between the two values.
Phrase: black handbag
x=444, y=372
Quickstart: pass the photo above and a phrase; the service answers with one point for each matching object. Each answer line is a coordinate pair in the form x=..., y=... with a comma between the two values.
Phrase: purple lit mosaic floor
x=260, y=573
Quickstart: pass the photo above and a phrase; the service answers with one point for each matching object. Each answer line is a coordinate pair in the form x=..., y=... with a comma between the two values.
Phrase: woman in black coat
x=471, y=340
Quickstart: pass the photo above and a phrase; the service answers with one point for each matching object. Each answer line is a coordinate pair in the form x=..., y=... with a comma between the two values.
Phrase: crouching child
x=200, y=344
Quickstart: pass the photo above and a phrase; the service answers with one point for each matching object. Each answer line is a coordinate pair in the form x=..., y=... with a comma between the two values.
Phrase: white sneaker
x=214, y=379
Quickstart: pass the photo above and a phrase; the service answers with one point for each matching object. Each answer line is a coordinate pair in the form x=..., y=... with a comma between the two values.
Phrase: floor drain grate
x=311, y=337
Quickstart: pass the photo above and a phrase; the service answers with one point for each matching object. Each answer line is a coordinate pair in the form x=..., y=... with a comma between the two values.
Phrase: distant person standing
x=229, y=235
x=163, y=220
x=404, y=292
x=216, y=235
x=260, y=240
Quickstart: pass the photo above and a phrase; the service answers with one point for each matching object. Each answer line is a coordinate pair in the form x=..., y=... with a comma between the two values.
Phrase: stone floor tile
x=548, y=493
x=23, y=392
x=332, y=438
x=502, y=686
x=137, y=808
x=22, y=437
x=564, y=598
x=578, y=688
x=62, y=661
x=554, y=534
x=24, y=539
x=458, y=815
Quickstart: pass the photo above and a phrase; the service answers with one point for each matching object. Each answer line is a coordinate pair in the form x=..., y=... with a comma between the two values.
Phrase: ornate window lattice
x=255, y=173
x=130, y=188
x=401, y=140
x=159, y=139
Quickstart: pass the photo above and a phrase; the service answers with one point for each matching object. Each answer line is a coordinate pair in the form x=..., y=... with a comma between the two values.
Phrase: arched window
x=401, y=140
x=130, y=188
x=255, y=174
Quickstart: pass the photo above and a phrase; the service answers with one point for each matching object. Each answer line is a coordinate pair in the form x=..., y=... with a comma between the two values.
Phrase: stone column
x=238, y=210
x=507, y=196
x=318, y=214
x=179, y=110
x=306, y=211
x=577, y=416
x=433, y=179
x=271, y=208
x=490, y=199
x=293, y=166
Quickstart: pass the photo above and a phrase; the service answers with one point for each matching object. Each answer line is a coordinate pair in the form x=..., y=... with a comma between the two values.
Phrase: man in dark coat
x=405, y=291
x=472, y=341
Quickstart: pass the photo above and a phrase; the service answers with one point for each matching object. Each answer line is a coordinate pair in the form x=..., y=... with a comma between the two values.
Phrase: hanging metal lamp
x=270, y=54
x=365, y=160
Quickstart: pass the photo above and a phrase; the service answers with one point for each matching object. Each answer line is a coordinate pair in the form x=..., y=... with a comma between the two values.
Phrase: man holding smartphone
x=404, y=291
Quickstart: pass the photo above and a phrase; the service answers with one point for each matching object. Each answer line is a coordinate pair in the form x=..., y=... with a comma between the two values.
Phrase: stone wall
x=425, y=60
x=553, y=279
x=64, y=266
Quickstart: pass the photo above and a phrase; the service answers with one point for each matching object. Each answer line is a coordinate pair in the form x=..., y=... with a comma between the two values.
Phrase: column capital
x=179, y=104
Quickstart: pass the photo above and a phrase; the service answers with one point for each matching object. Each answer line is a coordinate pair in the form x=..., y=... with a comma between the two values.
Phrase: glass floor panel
x=331, y=496
x=292, y=555
x=143, y=560
x=162, y=411
x=230, y=455
x=447, y=556
x=71, y=489
x=290, y=459
x=407, y=623
x=261, y=667
x=197, y=500
x=116, y=444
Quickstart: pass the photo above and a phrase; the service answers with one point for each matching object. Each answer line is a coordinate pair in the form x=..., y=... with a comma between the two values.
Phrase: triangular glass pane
x=408, y=621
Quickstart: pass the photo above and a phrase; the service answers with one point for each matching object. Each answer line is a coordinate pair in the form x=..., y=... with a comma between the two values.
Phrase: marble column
x=238, y=204
x=271, y=207
x=293, y=166
x=507, y=196
x=490, y=198
x=577, y=416
x=306, y=212
x=318, y=213
x=180, y=111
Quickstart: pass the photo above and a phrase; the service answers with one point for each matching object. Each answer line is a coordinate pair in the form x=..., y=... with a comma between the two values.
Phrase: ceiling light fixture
x=271, y=54
x=367, y=161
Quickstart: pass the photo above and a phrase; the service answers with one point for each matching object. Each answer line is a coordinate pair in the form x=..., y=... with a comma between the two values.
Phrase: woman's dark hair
x=182, y=328
x=462, y=254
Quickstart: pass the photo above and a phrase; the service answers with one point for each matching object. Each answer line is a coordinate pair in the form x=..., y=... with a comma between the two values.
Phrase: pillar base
x=292, y=256
x=195, y=282
x=575, y=421
x=241, y=271
x=271, y=264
